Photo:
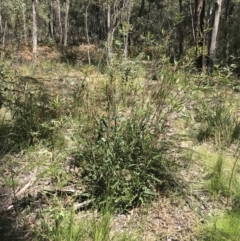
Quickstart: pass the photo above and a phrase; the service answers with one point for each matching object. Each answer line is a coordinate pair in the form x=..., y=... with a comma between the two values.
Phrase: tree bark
x=24, y=25
x=192, y=21
x=66, y=23
x=180, y=31
x=229, y=6
x=141, y=10
x=199, y=17
x=109, y=35
x=212, y=51
x=59, y=24
x=1, y=26
x=127, y=28
x=199, y=34
x=51, y=19
x=3, y=38
x=34, y=29
x=86, y=29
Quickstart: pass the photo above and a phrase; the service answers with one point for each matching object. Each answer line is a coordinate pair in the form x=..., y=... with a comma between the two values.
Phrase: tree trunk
x=180, y=31
x=199, y=34
x=212, y=51
x=4, y=38
x=1, y=26
x=229, y=6
x=86, y=29
x=59, y=24
x=66, y=23
x=109, y=35
x=127, y=28
x=192, y=21
x=141, y=10
x=24, y=24
x=34, y=29
x=199, y=16
x=51, y=19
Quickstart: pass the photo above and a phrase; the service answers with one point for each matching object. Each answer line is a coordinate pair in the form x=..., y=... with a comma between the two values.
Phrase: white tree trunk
x=212, y=50
x=109, y=37
x=66, y=23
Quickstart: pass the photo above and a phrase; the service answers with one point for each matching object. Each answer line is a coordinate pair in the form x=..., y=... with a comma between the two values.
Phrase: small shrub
x=124, y=141
x=31, y=110
x=122, y=164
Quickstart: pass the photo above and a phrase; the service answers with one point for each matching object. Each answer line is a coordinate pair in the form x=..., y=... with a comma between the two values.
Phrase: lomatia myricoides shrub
x=121, y=163
x=123, y=156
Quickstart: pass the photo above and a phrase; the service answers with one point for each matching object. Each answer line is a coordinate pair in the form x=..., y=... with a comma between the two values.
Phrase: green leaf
x=156, y=179
x=149, y=192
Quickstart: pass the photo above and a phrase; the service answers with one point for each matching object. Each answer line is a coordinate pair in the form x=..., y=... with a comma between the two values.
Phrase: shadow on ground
x=10, y=228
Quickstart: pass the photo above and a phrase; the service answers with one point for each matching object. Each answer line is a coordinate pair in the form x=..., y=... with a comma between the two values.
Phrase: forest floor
x=40, y=184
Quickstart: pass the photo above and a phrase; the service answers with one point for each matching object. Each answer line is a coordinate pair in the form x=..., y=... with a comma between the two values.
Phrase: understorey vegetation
x=117, y=126
x=84, y=143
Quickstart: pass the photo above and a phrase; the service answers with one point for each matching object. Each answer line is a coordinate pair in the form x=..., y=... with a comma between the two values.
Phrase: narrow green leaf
x=156, y=179
x=149, y=192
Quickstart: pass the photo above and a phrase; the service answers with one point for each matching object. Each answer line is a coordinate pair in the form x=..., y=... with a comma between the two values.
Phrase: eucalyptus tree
x=67, y=6
x=212, y=50
x=59, y=28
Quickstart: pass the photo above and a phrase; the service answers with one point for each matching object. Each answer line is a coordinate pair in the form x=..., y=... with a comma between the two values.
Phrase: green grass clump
x=218, y=123
x=221, y=177
x=222, y=228
x=60, y=224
